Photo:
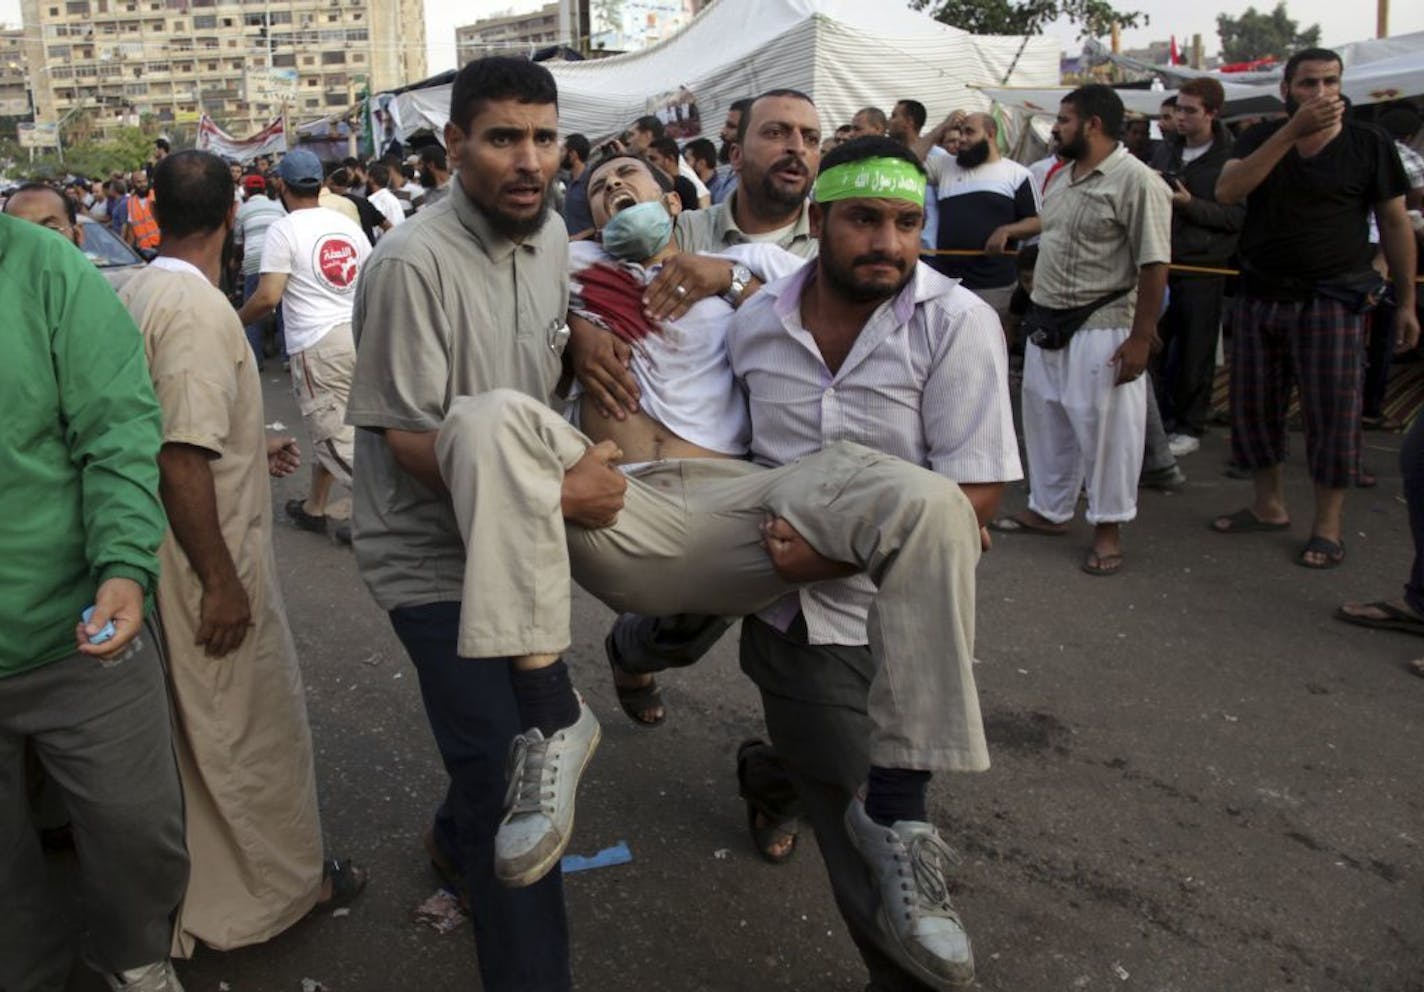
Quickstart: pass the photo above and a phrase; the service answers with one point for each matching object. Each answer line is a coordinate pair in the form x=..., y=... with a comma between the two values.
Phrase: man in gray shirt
x=468, y=297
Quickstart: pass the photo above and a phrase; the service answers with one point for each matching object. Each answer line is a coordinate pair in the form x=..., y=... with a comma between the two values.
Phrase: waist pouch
x=1359, y=292
x=1051, y=329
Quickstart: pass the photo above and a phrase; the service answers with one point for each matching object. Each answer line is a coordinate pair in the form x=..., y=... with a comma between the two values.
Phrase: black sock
x=896, y=794
x=545, y=697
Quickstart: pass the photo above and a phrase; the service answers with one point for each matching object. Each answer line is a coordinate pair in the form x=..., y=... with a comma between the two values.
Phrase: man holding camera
x=1098, y=286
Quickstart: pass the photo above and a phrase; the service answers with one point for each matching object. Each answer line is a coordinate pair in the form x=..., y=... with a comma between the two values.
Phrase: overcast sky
x=1340, y=20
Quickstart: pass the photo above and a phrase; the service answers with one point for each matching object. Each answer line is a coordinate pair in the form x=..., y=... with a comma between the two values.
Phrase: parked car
x=116, y=260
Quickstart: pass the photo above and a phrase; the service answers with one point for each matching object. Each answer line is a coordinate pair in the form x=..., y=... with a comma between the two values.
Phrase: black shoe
x=1168, y=480
x=342, y=533
x=297, y=511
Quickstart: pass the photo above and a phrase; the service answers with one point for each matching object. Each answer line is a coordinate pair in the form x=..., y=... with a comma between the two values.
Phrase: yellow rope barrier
x=1200, y=270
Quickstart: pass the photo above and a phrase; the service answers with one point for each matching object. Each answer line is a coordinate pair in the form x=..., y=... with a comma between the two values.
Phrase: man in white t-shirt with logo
x=309, y=264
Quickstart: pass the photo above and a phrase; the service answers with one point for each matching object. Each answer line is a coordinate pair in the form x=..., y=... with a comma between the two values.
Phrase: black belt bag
x=1051, y=329
x=1360, y=293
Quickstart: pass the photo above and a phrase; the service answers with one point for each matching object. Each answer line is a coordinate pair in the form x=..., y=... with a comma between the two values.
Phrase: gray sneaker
x=1168, y=480
x=538, y=819
x=156, y=977
x=908, y=863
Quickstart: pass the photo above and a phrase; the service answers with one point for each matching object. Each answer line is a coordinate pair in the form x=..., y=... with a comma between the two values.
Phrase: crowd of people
x=766, y=379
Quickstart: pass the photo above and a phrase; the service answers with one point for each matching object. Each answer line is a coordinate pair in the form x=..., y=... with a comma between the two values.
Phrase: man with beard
x=690, y=533
x=1167, y=118
x=434, y=175
x=1097, y=294
x=1204, y=234
x=724, y=180
x=977, y=192
x=776, y=152
x=469, y=296
x=1309, y=183
x=575, y=162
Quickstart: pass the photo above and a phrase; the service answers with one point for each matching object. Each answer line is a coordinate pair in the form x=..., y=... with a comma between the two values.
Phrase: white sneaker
x=156, y=977
x=538, y=819
x=908, y=863
x=1183, y=444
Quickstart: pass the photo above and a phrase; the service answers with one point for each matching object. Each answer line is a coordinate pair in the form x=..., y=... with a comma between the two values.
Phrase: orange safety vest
x=141, y=219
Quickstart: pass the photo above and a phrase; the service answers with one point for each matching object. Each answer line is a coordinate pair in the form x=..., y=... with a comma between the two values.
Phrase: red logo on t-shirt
x=337, y=261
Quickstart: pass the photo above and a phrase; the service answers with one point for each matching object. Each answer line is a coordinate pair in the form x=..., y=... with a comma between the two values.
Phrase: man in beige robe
x=242, y=738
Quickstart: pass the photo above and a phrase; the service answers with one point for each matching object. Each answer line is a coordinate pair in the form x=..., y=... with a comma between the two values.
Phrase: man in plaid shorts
x=1309, y=183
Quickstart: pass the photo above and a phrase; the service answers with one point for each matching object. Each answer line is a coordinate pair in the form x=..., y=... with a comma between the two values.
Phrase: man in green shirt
x=80, y=524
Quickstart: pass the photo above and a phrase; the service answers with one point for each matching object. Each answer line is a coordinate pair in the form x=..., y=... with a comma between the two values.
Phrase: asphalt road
x=1201, y=781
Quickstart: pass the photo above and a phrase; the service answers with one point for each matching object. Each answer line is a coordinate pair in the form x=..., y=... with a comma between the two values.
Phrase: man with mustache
x=1309, y=183
x=1106, y=240
x=469, y=296
x=689, y=535
x=977, y=191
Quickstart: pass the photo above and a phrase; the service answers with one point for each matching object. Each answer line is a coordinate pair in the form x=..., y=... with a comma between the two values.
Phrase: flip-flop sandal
x=636, y=701
x=1013, y=525
x=1243, y=521
x=1096, y=564
x=777, y=828
x=347, y=882
x=1334, y=553
x=1394, y=618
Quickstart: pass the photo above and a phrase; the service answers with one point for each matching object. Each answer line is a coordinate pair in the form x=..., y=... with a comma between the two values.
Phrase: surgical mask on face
x=638, y=232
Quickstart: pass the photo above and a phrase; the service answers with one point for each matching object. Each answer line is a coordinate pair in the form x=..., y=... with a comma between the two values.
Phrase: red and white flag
x=1176, y=56
x=271, y=139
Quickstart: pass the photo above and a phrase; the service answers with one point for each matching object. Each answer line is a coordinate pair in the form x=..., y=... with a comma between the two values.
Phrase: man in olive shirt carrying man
x=468, y=297
x=80, y=524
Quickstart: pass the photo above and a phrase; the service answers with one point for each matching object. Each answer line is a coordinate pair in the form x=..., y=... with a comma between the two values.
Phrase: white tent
x=845, y=54
x=1377, y=70
x=1240, y=100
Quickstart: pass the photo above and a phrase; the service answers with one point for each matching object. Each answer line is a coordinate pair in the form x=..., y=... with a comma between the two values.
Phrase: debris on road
x=441, y=912
x=618, y=854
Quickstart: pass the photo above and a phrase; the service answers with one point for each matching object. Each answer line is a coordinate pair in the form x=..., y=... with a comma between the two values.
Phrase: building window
x=336, y=100
x=77, y=8
x=308, y=60
x=284, y=60
x=333, y=58
x=204, y=22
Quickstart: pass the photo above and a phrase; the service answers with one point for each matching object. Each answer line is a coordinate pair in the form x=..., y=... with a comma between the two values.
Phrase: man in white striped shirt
x=914, y=367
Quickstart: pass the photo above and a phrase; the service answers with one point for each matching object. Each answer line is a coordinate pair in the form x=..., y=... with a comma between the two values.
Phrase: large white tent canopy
x=845, y=54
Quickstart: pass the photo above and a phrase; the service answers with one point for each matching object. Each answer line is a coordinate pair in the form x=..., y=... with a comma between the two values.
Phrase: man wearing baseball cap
x=309, y=263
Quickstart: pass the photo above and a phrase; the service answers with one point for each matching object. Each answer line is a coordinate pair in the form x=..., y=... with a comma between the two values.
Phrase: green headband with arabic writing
x=878, y=178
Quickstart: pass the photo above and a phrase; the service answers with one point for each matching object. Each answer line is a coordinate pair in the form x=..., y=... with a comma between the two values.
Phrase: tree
x=1255, y=35
x=1094, y=18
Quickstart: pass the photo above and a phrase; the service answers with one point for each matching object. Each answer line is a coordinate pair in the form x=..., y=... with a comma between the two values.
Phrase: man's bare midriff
x=640, y=437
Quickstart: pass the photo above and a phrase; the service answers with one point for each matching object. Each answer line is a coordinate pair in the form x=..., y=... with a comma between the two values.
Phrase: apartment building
x=240, y=61
x=14, y=84
x=512, y=34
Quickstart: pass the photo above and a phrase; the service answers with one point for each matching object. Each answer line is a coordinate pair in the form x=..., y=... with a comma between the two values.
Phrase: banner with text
x=270, y=140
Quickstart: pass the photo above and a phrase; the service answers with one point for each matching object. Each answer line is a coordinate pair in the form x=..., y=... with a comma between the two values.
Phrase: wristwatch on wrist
x=741, y=278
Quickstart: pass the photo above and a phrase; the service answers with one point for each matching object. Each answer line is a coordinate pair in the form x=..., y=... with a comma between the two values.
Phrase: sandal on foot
x=347, y=882
x=775, y=828
x=1016, y=525
x=1102, y=565
x=638, y=700
x=1333, y=552
x=1245, y=521
x=1391, y=618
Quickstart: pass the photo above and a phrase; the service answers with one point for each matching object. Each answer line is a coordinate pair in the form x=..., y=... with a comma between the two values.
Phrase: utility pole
x=1382, y=19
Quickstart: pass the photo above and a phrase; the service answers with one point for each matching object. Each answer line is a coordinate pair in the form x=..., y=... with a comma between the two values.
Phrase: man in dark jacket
x=1204, y=234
